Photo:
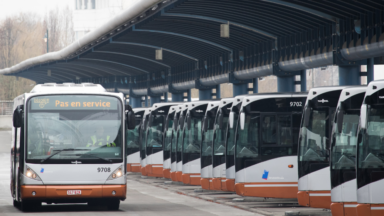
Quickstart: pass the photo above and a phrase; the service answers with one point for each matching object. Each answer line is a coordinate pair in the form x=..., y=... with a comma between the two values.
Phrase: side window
x=268, y=129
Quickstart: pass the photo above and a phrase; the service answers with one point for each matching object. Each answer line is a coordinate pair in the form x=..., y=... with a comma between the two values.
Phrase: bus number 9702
x=296, y=104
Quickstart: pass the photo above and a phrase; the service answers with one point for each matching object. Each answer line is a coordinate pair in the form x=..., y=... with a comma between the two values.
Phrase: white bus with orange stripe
x=133, y=143
x=155, y=138
x=51, y=159
x=208, y=129
x=219, y=142
x=370, y=152
x=314, y=147
x=143, y=141
x=266, y=145
x=175, y=138
x=343, y=151
x=191, y=142
x=180, y=140
x=169, y=137
x=228, y=184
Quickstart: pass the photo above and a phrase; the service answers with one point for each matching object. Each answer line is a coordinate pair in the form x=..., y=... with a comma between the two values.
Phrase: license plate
x=73, y=192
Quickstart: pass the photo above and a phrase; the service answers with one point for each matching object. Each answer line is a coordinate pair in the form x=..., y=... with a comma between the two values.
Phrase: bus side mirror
x=150, y=120
x=307, y=115
x=175, y=122
x=181, y=121
x=363, y=116
x=242, y=120
x=340, y=117
x=231, y=119
x=205, y=124
x=18, y=116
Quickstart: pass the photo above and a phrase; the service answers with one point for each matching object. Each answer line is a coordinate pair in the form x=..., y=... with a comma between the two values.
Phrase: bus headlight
x=116, y=174
x=31, y=174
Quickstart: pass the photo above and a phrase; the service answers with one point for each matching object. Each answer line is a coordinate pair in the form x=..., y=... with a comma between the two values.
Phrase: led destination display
x=74, y=102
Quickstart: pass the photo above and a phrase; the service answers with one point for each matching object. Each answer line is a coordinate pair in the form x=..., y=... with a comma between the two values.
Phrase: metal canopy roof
x=267, y=37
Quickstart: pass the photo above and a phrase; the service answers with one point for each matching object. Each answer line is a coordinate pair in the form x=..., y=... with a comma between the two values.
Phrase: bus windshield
x=371, y=151
x=168, y=135
x=219, y=142
x=180, y=137
x=314, y=138
x=155, y=131
x=192, y=136
x=132, y=138
x=344, y=148
x=143, y=133
x=64, y=128
x=247, y=141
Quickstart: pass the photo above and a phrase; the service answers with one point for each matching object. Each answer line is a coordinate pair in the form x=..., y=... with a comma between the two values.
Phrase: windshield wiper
x=70, y=149
x=93, y=155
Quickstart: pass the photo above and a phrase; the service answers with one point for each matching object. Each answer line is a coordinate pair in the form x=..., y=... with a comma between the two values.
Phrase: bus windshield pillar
x=286, y=84
x=349, y=75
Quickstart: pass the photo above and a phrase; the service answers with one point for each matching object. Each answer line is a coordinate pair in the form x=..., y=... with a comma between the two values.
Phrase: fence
x=6, y=107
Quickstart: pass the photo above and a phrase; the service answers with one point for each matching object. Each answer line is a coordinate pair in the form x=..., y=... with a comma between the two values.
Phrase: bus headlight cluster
x=116, y=174
x=31, y=174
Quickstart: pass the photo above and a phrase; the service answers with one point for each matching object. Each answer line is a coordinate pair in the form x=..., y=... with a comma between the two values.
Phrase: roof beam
x=134, y=56
x=220, y=21
x=305, y=9
x=112, y=62
x=185, y=36
x=156, y=47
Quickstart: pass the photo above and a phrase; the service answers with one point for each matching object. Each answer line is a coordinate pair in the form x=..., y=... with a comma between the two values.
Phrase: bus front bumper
x=46, y=192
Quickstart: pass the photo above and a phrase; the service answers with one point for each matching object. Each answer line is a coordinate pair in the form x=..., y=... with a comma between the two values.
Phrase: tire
x=27, y=205
x=113, y=205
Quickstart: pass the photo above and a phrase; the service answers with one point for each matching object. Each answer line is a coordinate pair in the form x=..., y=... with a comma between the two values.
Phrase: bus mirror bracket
x=150, y=120
x=188, y=122
x=220, y=120
x=363, y=116
x=242, y=120
x=231, y=119
x=307, y=115
x=18, y=116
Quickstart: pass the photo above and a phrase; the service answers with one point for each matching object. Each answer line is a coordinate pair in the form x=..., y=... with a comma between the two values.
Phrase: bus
x=266, y=145
x=192, y=138
x=180, y=139
x=228, y=184
x=143, y=141
x=155, y=138
x=69, y=146
x=175, y=137
x=370, y=152
x=133, y=142
x=206, y=145
x=343, y=151
x=219, y=143
x=314, y=147
x=168, y=138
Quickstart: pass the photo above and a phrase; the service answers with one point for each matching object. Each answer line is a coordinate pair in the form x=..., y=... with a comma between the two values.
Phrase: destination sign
x=74, y=102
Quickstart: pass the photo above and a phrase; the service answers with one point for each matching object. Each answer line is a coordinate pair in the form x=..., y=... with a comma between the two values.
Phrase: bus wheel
x=113, y=205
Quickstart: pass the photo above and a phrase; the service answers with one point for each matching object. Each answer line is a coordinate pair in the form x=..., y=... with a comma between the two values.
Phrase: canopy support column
x=255, y=82
x=286, y=84
x=155, y=99
x=240, y=89
x=303, y=80
x=177, y=97
x=135, y=101
x=205, y=94
x=349, y=75
x=370, y=70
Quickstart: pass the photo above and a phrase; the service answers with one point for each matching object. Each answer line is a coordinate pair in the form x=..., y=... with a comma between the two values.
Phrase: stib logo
x=265, y=175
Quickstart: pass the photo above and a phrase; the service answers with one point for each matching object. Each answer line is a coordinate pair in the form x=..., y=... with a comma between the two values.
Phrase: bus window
x=268, y=131
x=248, y=139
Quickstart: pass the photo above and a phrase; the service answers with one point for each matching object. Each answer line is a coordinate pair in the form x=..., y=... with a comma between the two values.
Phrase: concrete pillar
x=165, y=97
x=146, y=100
x=349, y=75
x=255, y=82
x=303, y=80
x=176, y=97
x=240, y=89
x=189, y=95
x=135, y=101
x=205, y=94
x=370, y=70
x=156, y=99
x=286, y=84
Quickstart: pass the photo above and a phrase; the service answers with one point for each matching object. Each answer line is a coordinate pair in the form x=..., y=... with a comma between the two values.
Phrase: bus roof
x=68, y=87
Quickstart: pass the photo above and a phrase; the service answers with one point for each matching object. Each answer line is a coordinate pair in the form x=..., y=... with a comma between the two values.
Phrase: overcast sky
x=41, y=7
